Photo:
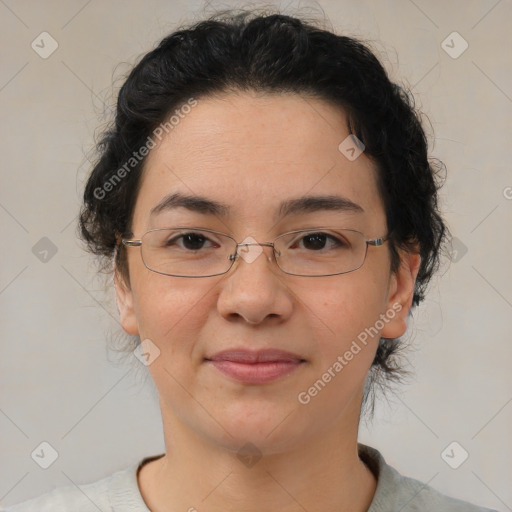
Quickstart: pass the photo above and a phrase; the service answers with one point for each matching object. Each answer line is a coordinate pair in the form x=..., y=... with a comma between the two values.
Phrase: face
x=253, y=153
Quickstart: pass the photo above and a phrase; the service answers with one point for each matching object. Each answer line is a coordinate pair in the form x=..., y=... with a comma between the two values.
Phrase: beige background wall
x=59, y=384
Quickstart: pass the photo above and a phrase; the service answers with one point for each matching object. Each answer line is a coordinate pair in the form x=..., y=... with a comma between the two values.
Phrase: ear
x=400, y=294
x=124, y=297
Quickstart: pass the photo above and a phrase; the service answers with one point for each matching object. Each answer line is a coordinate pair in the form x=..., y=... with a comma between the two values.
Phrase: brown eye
x=189, y=241
x=319, y=241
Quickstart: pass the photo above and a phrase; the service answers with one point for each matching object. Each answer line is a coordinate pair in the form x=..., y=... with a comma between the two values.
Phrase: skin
x=252, y=152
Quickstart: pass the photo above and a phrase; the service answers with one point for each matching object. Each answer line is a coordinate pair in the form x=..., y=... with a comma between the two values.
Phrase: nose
x=253, y=290
x=244, y=248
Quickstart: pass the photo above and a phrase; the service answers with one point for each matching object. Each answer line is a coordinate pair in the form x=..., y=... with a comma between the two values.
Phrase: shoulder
x=84, y=498
x=396, y=492
x=118, y=492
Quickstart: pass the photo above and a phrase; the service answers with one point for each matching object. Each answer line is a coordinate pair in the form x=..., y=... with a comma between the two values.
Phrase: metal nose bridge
x=245, y=244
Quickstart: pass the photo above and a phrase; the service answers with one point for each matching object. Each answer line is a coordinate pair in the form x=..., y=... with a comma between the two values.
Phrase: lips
x=255, y=367
x=254, y=357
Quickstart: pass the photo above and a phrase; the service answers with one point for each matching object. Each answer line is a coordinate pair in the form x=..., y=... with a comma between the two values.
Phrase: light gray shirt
x=120, y=492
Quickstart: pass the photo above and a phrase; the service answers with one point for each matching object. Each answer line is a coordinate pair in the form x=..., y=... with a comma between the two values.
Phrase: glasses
x=191, y=252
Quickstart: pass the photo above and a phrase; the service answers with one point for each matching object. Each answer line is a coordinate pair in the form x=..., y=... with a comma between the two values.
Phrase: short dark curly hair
x=274, y=53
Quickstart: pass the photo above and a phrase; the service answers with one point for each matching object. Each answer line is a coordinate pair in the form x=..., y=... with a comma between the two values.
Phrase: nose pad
x=273, y=254
x=250, y=250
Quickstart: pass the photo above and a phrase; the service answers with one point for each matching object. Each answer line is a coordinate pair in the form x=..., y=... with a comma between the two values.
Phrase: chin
x=270, y=428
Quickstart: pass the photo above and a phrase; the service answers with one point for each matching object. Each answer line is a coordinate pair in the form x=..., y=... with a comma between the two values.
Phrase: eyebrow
x=303, y=204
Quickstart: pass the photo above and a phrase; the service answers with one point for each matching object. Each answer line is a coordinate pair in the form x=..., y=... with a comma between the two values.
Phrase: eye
x=190, y=241
x=319, y=241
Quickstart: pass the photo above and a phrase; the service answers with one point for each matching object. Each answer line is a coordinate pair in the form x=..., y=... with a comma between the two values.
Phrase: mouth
x=255, y=367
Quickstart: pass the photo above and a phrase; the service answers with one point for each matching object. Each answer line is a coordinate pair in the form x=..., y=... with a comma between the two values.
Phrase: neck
x=322, y=473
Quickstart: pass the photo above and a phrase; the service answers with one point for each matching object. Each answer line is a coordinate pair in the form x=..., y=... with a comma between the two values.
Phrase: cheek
x=350, y=303
x=169, y=309
x=351, y=306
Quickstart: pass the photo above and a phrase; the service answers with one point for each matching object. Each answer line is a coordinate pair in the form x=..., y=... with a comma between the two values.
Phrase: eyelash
x=338, y=241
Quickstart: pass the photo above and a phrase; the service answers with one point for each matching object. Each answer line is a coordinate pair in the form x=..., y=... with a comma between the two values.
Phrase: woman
x=266, y=197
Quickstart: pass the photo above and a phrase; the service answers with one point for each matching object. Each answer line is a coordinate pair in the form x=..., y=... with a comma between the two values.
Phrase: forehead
x=252, y=152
